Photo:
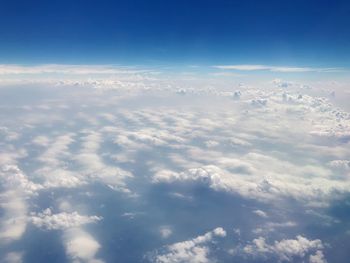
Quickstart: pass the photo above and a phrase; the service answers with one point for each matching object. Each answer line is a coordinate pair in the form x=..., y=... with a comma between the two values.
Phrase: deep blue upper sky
x=314, y=32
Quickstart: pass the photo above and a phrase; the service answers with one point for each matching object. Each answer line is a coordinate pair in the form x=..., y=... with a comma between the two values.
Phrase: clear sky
x=295, y=33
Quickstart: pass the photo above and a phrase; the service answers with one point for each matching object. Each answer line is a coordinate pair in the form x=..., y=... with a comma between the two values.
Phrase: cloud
x=165, y=231
x=63, y=220
x=147, y=137
x=16, y=189
x=13, y=179
x=58, y=149
x=219, y=231
x=54, y=171
x=276, y=148
x=67, y=69
x=243, y=177
x=13, y=257
x=243, y=67
x=226, y=74
x=41, y=140
x=275, y=68
x=181, y=196
x=195, y=250
x=93, y=167
x=13, y=220
x=55, y=177
x=272, y=226
x=340, y=164
x=269, y=125
x=63, y=169
x=318, y=257
x=9, y=155
x=260, y=213
x=133, y=215
x=81, y=246
x=284, y=250
x=282, y=83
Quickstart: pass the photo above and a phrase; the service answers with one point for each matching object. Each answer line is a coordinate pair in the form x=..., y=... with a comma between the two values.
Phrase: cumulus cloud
x=340, y=164
x=55, y=173
x=56, y=177
x=282, y=83
x=48, y=220
x=284, y=250
x=260, y=213
x=277, y=184
x=13, y=221
x=81, y=246
x=284, y=148
x=165, y=231
x=196, y=250
x=57, y=150
x=318, y=257
x=12, y=178
x=16, y=188
x=93, y=166
x=258, y=128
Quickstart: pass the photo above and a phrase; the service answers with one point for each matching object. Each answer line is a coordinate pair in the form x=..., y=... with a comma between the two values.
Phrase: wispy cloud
x=247, y=67
x=6, y=69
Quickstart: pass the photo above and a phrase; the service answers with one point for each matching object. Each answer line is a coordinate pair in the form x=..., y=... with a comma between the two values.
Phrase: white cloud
x=93, y=167
x=260, y=213
x=13, y=221
x=219, y=231
x=59, y=167
x=67, y=69
x=48, y=220
x=282, y=83
x=13, y=257
x=58, y=177
x=277, y=184
x=340, y=164
x=272, y=226
x=285, y=250
x=57, y=150
x=41, y=140
x=243, y=67
x=275, y=68
x=165, y=231
x=196, y=250
x=318, y=257
x=9, y=155
x=54, y=171
x=271, y=145
x=211, y=144
x=12, y=178
x=81, y=246
x=16, y=189
x=181, y=196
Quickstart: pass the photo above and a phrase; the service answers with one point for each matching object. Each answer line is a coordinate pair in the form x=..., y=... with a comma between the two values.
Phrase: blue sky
x=295, y=33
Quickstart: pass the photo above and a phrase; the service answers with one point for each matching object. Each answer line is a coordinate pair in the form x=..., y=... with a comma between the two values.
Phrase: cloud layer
x=102, y=166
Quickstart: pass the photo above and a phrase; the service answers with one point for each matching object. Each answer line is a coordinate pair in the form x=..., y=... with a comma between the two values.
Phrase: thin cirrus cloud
x=66, y=69
x=248, y=67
